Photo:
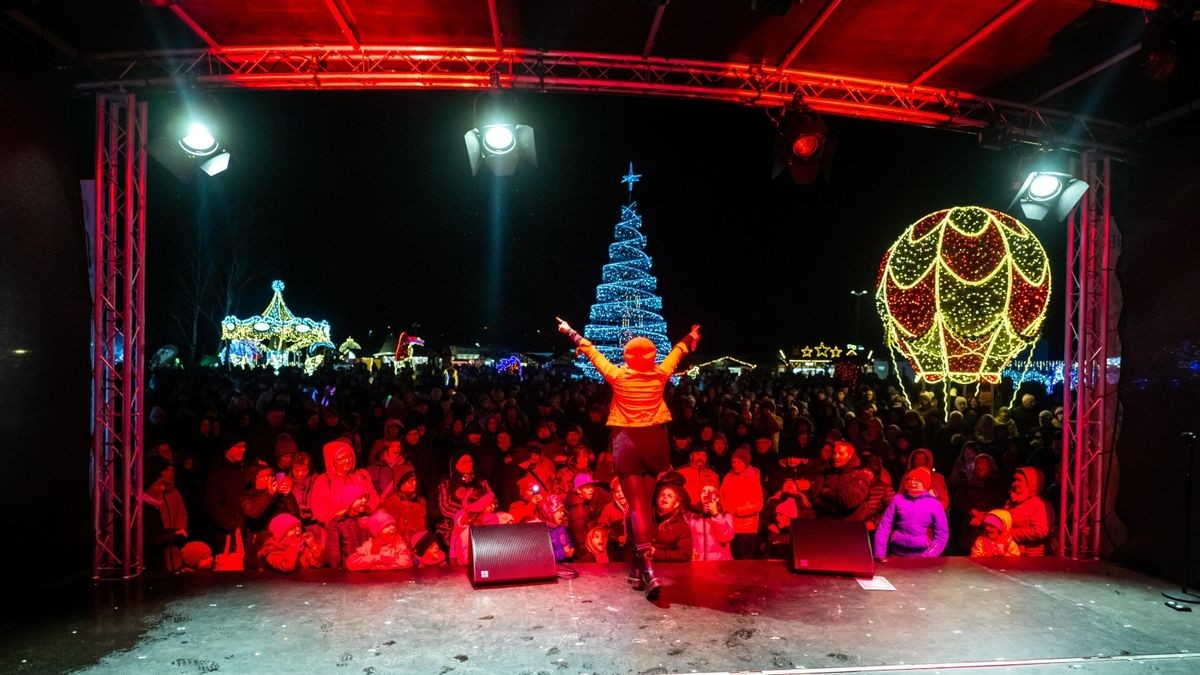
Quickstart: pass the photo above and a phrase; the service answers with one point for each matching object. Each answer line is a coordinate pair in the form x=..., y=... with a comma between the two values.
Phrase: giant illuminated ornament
x=275, y=338
x=962, y=292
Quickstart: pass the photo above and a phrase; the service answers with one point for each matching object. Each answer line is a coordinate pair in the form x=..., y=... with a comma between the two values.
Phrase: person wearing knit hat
x=165, y=516
x=196, y=555
x=426, y=549
x=914, y=524
x=996, y=539
x=697, y=475
x=285, y=451
x=742, y=454
x=407, y=505
x=284, y=525
x=742, y=494
x=639, y=418
x=288, y=548
x=384, y=549
x=462, y=481
x=585, y=504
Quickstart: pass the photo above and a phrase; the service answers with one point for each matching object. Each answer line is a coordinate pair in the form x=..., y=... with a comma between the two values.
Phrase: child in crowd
x=712, y=527
x=289, y=548
x=997, y=539
x=914, y=524
x=595, y=546
x=478, y=508
x=426, y=551
x=673, y=539
x=344, y=534
x=554, y=514
x=384, y=550
x=407, y=505
x=197, y=556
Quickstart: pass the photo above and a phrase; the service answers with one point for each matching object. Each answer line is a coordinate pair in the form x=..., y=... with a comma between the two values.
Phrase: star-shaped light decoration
x=835, y=352
x=822, y=351
x=631, y=178
x=806, y=352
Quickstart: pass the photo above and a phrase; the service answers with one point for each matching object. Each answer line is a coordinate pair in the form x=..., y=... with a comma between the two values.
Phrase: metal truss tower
x=118, y=338
x=1088, y=415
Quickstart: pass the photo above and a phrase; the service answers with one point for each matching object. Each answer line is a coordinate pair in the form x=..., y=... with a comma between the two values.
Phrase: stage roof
x=1077, y=56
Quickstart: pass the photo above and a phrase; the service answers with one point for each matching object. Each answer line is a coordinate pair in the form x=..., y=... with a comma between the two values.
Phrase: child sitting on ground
x=288, y=548
x=426, y=551
x=384, y=550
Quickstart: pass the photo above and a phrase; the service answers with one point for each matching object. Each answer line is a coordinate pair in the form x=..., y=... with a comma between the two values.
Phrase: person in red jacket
x=638, y=418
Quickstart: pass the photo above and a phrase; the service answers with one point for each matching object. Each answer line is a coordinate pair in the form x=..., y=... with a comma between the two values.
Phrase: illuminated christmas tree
x=626, y=306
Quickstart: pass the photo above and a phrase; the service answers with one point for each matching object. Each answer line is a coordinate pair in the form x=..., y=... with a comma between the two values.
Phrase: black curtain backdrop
x=1160, y=363
x=45, y=309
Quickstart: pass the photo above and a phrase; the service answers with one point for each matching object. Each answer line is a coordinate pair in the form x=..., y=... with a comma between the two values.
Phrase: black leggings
x=640, y=454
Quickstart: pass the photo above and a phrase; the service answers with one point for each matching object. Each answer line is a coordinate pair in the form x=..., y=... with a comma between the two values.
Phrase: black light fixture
x=497, y=141
x=1048, y=196
x=803, y=146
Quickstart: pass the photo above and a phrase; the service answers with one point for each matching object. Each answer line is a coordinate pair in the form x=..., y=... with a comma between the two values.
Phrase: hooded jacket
x=1032, y=516
x=938, y=488
x=328, y=487
x=1003, y=545
x=638, y=385
x=912, y=527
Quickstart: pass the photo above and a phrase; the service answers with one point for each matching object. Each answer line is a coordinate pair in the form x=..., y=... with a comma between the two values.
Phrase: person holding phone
x=638, y=419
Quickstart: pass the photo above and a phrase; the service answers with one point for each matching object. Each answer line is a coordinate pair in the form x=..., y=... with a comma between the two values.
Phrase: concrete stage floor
x=1018, y=615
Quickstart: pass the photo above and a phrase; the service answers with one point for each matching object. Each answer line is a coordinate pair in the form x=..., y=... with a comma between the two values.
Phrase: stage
x=1027, y=615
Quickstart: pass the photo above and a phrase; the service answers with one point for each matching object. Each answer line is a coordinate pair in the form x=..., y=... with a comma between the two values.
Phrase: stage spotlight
x=803, y=146
x=1048, y=196
x=198, y=141
x=190, y=147
x=497, y=141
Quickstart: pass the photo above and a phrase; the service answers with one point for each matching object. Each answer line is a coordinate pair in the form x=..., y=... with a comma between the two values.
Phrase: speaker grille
x=507, y=554
x=832, y=547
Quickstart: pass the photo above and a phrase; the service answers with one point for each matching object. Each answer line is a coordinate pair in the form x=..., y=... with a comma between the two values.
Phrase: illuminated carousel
x=276, y=338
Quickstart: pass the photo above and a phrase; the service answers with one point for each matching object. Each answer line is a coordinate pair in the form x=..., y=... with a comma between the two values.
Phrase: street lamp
x=858, y=296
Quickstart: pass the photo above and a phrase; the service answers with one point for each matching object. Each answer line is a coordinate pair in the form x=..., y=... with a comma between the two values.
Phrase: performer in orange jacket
x=638, y=418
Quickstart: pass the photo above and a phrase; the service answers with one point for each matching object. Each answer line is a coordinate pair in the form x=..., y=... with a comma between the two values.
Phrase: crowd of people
x=361, y=470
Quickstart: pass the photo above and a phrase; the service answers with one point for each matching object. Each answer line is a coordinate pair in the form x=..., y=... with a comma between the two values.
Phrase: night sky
x=364, y=204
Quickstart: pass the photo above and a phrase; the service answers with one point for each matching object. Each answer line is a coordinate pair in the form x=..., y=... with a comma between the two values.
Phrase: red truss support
x=117, y=321
x=1088, y=398
x=307, y=67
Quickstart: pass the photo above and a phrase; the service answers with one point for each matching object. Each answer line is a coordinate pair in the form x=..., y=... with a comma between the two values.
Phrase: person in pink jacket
x=638, y=418
x=742, y=494
x=712, y=527
x=340, y=472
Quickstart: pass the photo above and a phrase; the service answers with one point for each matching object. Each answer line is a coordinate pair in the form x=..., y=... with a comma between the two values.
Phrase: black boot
x=635, y=573
x=650, y=581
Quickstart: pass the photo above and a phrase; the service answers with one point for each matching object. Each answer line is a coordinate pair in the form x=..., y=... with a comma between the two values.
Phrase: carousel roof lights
x=277, y=326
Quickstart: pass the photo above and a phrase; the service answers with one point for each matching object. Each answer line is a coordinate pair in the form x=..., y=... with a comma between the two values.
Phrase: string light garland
x=962, y=292
x=275, y=338
x=626, y=305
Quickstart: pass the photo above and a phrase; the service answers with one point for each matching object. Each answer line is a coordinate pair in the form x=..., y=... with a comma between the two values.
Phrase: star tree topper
x=631, y=178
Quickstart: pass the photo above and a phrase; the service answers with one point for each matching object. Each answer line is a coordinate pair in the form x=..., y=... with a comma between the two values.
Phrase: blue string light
x=626, y=304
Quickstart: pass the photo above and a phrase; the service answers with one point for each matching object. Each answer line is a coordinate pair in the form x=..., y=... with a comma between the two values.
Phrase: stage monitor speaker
x=832, y=547
x=511, y=554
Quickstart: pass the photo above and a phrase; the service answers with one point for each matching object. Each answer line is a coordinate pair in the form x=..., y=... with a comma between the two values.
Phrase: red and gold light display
x=961, y=292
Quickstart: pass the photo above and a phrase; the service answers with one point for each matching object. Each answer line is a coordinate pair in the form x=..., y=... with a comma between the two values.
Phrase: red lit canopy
x=932, y=62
